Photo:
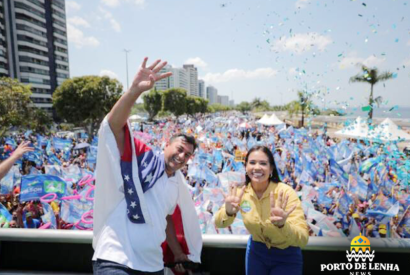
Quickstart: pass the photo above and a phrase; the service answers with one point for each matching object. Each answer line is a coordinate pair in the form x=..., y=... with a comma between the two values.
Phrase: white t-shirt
x=138, y=246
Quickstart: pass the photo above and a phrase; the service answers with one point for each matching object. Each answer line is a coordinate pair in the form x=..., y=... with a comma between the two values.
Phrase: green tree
x=219, y=108
x=192, y=106
x=279, y=108
x=371, y=76
x=14, y=104
x=195, y=105
x=262, y=106
x=203, y=105
x=256, y=103
x=302, y=105
x=244, y=107
x=152, y=103
x=174, y=101
x=84, y=101
x=41, y=121
x=138, y=108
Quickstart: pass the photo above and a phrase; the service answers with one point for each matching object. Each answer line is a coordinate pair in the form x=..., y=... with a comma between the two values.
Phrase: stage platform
x=34, y=251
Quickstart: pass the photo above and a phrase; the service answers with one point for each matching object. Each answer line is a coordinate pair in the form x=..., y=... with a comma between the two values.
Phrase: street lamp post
x=126, y=64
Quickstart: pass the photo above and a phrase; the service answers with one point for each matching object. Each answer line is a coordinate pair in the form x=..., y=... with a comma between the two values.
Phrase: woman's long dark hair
x=274, y=177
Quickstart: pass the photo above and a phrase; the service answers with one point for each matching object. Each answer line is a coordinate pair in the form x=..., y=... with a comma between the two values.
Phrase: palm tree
x=303, y=105
x=256, y=102
x=371, y=76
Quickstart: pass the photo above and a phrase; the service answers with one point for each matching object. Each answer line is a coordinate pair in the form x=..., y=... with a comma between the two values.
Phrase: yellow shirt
x=256, y=214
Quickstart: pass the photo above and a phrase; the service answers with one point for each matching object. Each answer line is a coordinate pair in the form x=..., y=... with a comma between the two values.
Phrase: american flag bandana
x=151, y=166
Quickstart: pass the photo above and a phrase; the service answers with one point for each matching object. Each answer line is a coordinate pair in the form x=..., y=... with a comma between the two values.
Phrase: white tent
x=263, y=119
x=272, y=120
x=135, y=117
x=358, y=129
x=389, y=131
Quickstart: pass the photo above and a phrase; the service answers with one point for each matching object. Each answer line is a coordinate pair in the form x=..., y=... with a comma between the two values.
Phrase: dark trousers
x=103, y=267
x=261, y=260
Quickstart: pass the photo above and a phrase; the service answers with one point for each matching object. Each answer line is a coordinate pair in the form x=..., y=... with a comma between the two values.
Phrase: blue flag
x=7, y=183
x=358, y=186
x=5, y=213
x=61, y=143
x=344, y=203
x=368, y=164
x=337, y=171
x=41, y=141
x=33, y=187
x=49, y=215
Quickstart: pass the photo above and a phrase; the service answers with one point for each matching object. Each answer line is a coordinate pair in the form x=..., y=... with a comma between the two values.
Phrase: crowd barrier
x=71, y=251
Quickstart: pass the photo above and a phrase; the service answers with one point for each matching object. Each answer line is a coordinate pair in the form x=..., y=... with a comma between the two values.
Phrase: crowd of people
x=346, y=186
x=28, y=157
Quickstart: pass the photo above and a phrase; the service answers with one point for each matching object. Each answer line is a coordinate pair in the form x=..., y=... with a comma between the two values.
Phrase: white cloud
x=111, y=3
x=116, y=3
x=353, y=60
x=137, y=2
x=114, y=23
x=300, y=4
x=77, y=37
x=108, y=73
x=292, y=71
x=373, y=61
x=78, y=21
x=235, y=74
x=72, y=6
x=197, y=61
x=302, y=42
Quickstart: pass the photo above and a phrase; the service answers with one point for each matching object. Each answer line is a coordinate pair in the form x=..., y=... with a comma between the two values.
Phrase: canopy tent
x=135, y=117
x=389, y=131
x=358, y=129
x=264, y=118
x=269, y=121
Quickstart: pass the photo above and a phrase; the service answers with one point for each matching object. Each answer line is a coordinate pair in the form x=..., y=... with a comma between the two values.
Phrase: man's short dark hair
x=188, y=139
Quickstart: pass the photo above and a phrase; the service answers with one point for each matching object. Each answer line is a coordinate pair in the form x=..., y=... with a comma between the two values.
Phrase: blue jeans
x=103, y=267
x=261, y=260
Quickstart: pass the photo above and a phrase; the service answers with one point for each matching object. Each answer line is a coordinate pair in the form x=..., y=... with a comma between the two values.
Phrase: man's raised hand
x=146, y=77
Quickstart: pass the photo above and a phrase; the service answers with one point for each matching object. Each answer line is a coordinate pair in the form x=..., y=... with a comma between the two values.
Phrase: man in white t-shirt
x=132, y=213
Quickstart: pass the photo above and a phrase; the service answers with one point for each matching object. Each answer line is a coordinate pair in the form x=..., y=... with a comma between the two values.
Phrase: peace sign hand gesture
x=146, y=77
x=278, y=214
x=232, y=201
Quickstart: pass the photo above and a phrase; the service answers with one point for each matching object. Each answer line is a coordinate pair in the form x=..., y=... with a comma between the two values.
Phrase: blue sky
x=254, y=48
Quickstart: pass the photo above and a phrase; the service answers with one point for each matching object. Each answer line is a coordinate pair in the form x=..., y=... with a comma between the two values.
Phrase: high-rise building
x=201, y=88
x=212, y=95
x=164, y=84
x=231, y=103
x=223, y=100
x=192, y=79
x=184, y=78
x=33, y=45
x=179, y=79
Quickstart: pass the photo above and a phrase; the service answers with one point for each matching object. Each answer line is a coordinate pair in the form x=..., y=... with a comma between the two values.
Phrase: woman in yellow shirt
x=273, y=215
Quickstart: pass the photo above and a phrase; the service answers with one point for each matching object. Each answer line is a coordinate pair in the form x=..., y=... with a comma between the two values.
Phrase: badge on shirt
x=245, y=206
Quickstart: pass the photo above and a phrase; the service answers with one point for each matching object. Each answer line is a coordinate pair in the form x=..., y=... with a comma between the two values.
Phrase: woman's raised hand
x=233, y=200
x=278, y=214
